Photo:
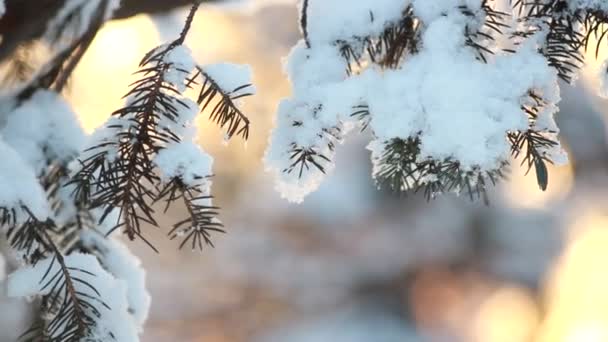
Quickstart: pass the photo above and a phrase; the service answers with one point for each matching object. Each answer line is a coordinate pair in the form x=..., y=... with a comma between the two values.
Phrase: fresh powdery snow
x=44, y=127
x=113, y=319
x=333, y=20
x=231, y=78
x=180, y=57
x=459, y=107
x=185, y=160
x=457, y=103
x=19, y=186
x=116, y=258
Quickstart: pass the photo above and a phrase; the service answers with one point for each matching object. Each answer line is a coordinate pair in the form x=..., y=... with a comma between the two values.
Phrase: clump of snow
x=333, y=20
x=116, y=258
x=182, y=64
x=114, y=320
x=25, y=282
x=185, y=160
x=183, y=125
x=231, y=78
x=105, y=136
x=307, y=68
x=429, y=11
x=19, y=186
x=457, y=106
x=44, y=128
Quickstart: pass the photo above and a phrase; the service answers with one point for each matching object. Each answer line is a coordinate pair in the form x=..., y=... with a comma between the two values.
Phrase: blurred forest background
x=352, y=263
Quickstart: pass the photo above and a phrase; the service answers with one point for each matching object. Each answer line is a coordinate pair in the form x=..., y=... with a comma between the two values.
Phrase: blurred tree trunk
x=26, y=20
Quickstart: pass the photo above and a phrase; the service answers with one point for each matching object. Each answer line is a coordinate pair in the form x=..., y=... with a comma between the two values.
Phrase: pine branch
x=400, y=170
x=122, y=184
x=225, y=112
x=493, y=24
x=67, y=234
x=533, y=143
x=304, y=22
x=70, y=314
x=119, y=173
x=202, y=217
x=26, y=21
x=397, y=168
x=396, y=41
x=304, y=158
x=55, y=74
x=565, y=40
x=387, y=49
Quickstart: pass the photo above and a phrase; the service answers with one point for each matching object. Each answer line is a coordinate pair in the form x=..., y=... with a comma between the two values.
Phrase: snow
x=2, y=8
x=307, y=68
x=458, y=107
x=429, y=11
x=116, y=319
x=182, y=64
x=44, y=128
x=230, y=77
x=187, y=110
x=116, y=258
x=104, y=135
x=350, y=19
x=19, y=186
x=25, y=282
x=175, y=156
x=185, y=160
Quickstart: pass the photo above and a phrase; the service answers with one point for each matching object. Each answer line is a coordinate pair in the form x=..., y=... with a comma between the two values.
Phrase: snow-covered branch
x=449, y=89
x=63, y=193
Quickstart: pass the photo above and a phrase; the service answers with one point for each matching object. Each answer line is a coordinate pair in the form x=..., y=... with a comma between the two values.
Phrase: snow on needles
x=44, y=128
x=234, y=79
x=180, y=57
x=185, y=160
x=19, y=186
x=350, y=18
x=113, y=319
x=457, y=106
x=116, y=258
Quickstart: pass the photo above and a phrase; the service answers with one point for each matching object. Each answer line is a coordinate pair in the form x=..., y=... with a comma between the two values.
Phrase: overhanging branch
x=26, y=20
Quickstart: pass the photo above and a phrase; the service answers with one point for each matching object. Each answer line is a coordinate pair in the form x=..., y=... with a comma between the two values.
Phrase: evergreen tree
x=450, y=90
x=64, y=195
